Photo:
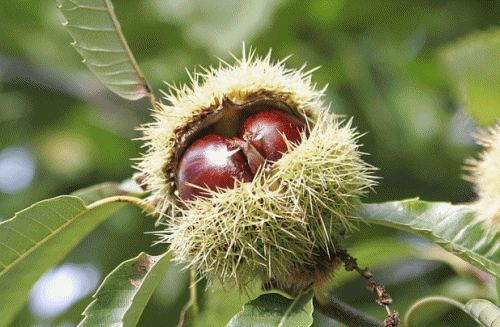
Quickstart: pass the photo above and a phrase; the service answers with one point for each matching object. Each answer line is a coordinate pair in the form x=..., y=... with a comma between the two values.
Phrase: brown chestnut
x=211, y=162
x=216, y=162
x=265, y=129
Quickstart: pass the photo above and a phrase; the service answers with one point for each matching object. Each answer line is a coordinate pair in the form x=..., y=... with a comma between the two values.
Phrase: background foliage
x=60, y=130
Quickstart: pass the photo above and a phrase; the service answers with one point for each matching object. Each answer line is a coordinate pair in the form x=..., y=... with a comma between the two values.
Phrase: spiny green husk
x=287, y=220
x=248, y=78
x=274, y=225
x=485, y=175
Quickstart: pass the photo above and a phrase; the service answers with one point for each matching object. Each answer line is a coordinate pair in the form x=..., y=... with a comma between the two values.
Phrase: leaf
x=223, y=304
x=453, y=227
x=497, y=287
x=273, y=309
x=473, y=63
x=99, y=39
x=104, y=190
x=484, y=312
x=100, y=191
x=124, y=293
x=37, y=238
x=189, y=314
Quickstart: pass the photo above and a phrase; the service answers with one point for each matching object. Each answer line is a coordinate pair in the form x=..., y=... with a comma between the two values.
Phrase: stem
x=189, y=313
x=152, y=99
x=130, y=55
x=193, y=291
x=428, y=300
x=124, y=198
x=384, y=299
x=344, y=313
x=295, y=301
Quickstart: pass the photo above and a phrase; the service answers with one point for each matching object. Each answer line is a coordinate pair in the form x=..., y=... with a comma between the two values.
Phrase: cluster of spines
x=276, y=224
x=283, y=227
x=249, y=76
x=484, y=173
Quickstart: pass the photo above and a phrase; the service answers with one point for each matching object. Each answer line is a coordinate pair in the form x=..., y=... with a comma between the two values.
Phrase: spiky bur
x=484, y=173
x=284, y=226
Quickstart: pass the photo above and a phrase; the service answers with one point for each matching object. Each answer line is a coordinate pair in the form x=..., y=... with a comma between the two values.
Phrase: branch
x=422, y=302
x=384, y=299
x=345, y=314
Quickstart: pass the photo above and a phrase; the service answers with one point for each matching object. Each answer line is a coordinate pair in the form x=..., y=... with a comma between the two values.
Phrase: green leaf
x=99, y=39
x=104, y=190
x=497, y=288
x=473, y=64
x=273, y=309
x=124, y=293
x=37, y=238
x=100, y=191
x=484, y=312
x=223, y=304
x=453, y=227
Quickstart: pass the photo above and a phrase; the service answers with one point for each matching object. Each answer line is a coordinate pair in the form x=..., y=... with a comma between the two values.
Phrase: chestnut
x=216, y=162
x=211, y=162
x=265, y=129
x=283, y=225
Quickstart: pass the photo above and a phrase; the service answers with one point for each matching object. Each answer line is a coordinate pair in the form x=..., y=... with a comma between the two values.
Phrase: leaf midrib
x=56, y=231
x=437, y=239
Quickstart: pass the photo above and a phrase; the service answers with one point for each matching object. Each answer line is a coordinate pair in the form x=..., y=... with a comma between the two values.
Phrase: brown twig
x=384, y=299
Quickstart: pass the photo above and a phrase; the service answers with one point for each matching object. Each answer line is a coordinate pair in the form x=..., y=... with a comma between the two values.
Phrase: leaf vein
x=77, y=209
x=110, y=64
x=54, y=211
x=90, y=28
x=12, y=249
x=19, y=233
x=124, y=83
x=118, y=72
x=79, y=6
x=39, y=222
x=77, y=45
x=43, y=240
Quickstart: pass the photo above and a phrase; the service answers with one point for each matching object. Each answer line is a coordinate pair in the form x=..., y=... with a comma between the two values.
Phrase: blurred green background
x=388, y=65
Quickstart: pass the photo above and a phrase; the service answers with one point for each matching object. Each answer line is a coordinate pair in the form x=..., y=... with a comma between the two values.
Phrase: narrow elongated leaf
x=124, y=293
x=36, y=239
x=484, y=312
x=452, y=227
x=99, y=39
x=275, y=310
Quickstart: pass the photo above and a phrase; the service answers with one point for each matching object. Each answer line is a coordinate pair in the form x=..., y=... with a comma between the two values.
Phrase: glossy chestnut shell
x=216, y=162
x=211, y=162
x=265, y=130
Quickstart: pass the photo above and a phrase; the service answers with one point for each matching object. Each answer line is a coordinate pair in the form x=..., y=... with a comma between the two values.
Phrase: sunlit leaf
x=473, y=64
x=275, y=310
x=37, y=238
x=452, y=227
x=484, y=312
x=124, y=293
x=99, y=39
